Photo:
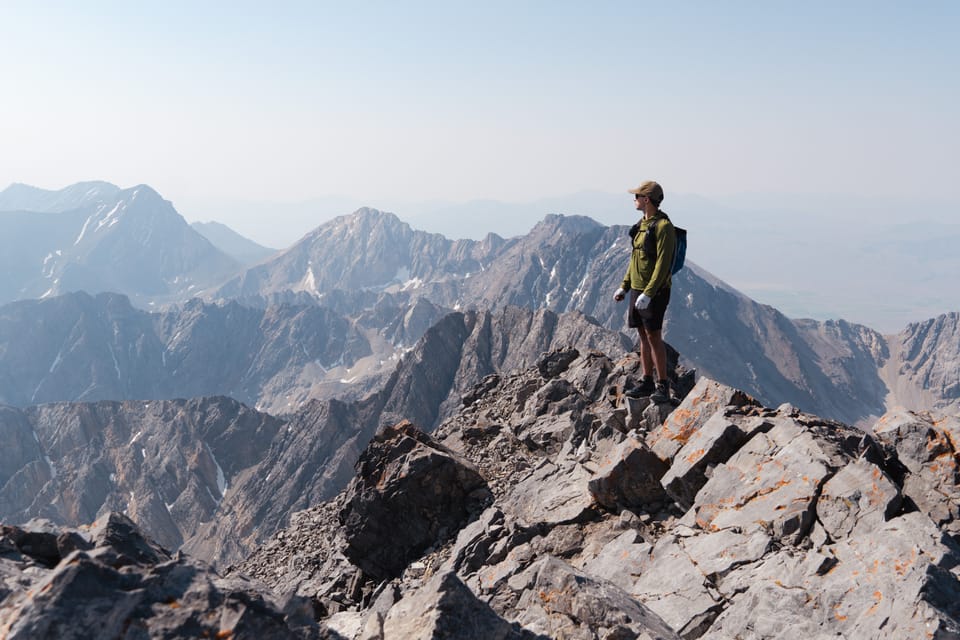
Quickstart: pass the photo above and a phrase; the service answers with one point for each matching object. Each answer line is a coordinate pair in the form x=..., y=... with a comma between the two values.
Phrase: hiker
x=648, y=281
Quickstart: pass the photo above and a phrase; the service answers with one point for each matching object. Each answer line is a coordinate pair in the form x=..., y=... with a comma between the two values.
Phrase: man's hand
x=643, y=301
x=618, y=296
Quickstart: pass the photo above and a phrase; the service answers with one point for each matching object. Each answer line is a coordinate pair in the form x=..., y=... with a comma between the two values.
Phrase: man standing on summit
x=648, y=281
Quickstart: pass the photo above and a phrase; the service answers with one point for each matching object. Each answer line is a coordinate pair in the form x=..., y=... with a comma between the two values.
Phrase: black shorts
x=652, y=317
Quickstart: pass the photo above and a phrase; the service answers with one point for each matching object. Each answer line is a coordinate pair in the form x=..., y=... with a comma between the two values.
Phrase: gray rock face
x=926, y=365
x=925, y=446
x=713, y=443
x=445, y=608
x=112, y=582
x=706, y=398
x=629, y=477
x=562, y=602
x=776, y=521
x=408, y=494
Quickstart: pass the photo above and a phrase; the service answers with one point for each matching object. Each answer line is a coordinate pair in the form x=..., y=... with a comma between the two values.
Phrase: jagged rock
x=897, y=580
x=621, y=560
x=705, y=399
x=589, y=375
x=719, y=438
x=550, y=495
x=859, y=495
x=556, y=362
x=445, y=608
x=628, y=477
x=119, y=584
x=772, y=481
x=483, y=387
x=548, y=434
x=794, y=526
x=928, y=451
x=127, y=544
x=560, y=602
x=674, y=588
x=409, y=493
x=555, y=397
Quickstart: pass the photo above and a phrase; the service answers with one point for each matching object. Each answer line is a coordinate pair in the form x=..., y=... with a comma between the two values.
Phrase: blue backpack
x=680, y=250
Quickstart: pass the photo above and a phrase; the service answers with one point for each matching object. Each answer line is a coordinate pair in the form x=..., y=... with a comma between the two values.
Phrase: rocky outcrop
x=109, y=581
x=715, y=518
x=552, y=506
x=408, y=493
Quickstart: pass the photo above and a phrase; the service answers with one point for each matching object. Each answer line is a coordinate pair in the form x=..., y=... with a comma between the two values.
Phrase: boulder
x=409, y=494
x=552, y=494
x=927, y=450
x=552, y=364
x=119, y=584
x=713, y=443
x=445, y=608
x=772, y=482
x=705, y=399
x=560, y=602
x=859, y=495
x=628, y=477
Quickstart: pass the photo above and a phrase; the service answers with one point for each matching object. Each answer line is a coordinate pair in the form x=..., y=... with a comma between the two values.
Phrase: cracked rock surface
x=552, y=506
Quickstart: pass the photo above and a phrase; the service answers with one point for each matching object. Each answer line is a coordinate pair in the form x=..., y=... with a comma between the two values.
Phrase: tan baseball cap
x=650, y=189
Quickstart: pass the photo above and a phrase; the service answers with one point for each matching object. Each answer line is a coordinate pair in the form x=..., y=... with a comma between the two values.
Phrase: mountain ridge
x=102, y=238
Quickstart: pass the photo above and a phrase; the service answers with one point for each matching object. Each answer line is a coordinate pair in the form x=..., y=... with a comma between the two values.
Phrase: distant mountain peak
x=569, y=223
x=24, y=197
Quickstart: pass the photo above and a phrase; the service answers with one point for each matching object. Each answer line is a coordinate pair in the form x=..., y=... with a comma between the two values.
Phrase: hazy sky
x=273, y=117
x=413, y=101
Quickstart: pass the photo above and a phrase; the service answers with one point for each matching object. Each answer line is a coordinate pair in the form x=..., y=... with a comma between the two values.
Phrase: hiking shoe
x=662, y=393
x=645, y=388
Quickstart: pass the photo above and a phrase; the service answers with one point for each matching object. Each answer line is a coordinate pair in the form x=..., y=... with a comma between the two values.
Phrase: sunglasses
x=638, y=196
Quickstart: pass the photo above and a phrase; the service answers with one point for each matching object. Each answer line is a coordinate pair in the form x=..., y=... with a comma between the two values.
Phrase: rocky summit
x=552, y=505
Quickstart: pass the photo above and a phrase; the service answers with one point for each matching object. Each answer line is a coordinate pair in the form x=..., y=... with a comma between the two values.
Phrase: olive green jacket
x=650, y=263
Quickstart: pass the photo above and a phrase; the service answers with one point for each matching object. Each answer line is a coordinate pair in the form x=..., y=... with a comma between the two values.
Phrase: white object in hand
x=643, y=301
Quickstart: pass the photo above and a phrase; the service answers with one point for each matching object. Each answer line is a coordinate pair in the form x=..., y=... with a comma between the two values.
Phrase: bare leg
x=646, y=351
x=654, y=342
